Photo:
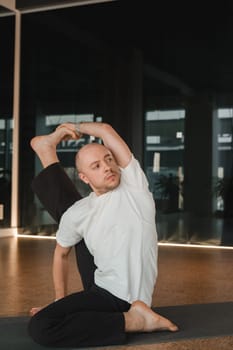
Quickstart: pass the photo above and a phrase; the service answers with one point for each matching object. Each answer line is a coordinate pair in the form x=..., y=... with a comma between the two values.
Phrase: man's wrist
x=77, y=129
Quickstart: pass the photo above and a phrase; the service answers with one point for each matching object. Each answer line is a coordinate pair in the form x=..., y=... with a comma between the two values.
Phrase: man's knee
x=39, y=331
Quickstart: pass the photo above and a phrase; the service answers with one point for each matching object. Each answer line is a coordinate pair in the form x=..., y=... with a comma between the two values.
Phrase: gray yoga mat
x=194, y=321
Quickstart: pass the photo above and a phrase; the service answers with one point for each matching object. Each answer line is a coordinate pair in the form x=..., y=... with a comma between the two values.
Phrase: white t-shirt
x=120, y=232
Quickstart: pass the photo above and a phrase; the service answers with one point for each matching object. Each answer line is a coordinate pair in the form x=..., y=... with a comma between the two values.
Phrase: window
x=164, y=147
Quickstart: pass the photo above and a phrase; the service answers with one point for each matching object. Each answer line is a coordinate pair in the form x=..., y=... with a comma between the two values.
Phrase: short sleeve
x=134, y=176
x=67, y=234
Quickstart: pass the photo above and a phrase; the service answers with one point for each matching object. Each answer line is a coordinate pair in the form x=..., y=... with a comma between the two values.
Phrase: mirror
x=161, y=82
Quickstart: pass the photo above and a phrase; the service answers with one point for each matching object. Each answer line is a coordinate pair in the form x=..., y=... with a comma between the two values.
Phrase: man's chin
x=113, y=185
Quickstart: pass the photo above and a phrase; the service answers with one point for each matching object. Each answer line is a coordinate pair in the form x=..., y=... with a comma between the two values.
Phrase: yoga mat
x=194, y=321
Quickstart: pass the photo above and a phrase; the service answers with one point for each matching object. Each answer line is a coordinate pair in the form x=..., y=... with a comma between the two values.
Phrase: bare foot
x=141, y=318
x=45, y=145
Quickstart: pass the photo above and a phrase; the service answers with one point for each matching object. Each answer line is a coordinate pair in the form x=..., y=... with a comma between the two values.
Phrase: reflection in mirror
x=160, y=83
x=7, y=25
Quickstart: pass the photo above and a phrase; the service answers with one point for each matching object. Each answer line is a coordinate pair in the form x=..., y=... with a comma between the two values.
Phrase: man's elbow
x=61, y=252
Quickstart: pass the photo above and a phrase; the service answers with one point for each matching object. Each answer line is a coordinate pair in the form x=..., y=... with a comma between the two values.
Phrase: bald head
x=88, y=154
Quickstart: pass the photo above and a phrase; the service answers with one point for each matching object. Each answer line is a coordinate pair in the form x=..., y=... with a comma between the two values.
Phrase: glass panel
x=6, y=110
x=63, y=82
x=164, y=153
x=224, y=173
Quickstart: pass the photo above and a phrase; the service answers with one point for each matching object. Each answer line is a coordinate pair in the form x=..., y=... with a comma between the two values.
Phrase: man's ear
x=83, y=178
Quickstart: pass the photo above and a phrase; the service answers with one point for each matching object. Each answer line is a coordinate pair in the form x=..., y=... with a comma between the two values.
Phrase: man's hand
x=68, y=131
x=34, y=310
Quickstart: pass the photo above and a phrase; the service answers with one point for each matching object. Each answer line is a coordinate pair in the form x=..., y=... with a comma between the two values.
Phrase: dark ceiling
x=189, y=41
x=33, y=4
x=186, y=45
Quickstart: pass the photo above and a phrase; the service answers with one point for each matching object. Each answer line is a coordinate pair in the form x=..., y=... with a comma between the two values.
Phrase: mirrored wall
x=161, y=82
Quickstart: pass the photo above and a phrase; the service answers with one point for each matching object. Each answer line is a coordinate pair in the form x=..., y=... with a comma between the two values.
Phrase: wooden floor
x=187, y=275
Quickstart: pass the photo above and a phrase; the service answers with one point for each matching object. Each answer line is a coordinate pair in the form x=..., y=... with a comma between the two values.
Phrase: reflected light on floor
x=36, y=237
x=194, y=246
x=160, y=244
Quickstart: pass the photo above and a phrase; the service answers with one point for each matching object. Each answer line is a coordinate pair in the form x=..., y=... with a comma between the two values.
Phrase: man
x=116, y=222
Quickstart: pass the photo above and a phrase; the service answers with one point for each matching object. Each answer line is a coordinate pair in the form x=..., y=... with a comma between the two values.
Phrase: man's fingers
x=34, y=310
x=70, y=132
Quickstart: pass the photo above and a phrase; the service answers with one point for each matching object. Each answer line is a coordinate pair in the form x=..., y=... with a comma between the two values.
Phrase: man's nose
x=106, y=166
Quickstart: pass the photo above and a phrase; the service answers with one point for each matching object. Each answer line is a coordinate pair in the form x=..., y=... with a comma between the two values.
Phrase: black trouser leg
x=89, y=318
x=57, y=193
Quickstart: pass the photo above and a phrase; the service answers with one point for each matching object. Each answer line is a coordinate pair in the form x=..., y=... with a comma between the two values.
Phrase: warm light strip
x=188, y=245
x=160, y=244
x=35, y=237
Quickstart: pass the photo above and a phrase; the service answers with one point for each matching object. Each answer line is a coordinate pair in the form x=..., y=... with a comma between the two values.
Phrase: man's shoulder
x=130, y=162
x=132, y=165
x=133, y=176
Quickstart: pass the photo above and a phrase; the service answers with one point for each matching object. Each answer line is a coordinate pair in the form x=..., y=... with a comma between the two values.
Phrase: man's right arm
x=111, y=139
x=60, y=270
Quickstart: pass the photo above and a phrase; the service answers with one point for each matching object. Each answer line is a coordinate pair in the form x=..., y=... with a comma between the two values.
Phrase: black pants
x=93, y=317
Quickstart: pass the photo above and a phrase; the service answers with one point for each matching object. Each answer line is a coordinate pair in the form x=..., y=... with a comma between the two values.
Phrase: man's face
x=98, y=168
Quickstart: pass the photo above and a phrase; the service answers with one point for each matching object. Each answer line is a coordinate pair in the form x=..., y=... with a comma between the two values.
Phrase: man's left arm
x=60, y=271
